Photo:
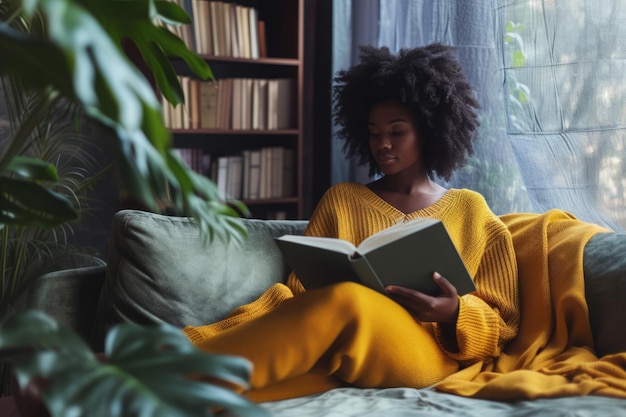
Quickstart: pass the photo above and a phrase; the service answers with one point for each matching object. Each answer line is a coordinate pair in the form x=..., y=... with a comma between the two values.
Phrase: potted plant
x=71, y=50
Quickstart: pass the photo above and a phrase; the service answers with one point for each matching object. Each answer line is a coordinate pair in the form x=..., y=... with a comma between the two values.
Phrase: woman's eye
x=397, y=133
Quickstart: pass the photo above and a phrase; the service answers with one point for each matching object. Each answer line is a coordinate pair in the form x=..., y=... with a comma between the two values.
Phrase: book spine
x=366, y=274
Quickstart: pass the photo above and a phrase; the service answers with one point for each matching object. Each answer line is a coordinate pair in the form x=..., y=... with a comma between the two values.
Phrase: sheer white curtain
x=550, y=77
x=564, y=64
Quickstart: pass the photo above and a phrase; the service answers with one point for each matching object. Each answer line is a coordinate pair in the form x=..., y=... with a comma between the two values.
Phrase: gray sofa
x=160, y=270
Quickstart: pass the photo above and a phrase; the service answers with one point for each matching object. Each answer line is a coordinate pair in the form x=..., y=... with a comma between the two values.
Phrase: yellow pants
x=345, y=334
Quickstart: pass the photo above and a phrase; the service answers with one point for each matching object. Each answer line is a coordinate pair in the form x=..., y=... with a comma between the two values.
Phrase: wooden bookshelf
x=287, y=57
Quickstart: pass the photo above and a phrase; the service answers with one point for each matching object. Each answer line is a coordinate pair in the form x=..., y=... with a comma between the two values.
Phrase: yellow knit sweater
x=488, y=318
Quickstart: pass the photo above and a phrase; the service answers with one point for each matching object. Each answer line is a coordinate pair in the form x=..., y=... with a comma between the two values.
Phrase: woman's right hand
x=443, y=308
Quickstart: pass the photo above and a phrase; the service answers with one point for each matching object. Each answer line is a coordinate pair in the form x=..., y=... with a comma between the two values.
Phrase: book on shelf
x=214, y=27
x=262, y=39
x=222, y=28
x=280, y=103
x=246, y=103
x=261, y=109
x=209, y=95
x=281, y=172
x=251, y=174
x=213, y=170
x=224, y=109
x=237, y=103
x=243, y=30
x=259, y=104
x=194, y=103
x=200, y=16
x=206, y=164
x=254, y=175
x=226, y=29
x=253, y=20
x=245, y=186
x=255, y=104
x=234, y=176
x=406, y=255
x=276, y=169
x=229, y=179
x=234, y=31
x=288, y=173
x=222, y=176
x=265, y=184
x=185, y=83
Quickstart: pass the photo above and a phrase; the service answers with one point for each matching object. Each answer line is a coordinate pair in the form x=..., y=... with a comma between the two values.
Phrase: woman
x=409, y=116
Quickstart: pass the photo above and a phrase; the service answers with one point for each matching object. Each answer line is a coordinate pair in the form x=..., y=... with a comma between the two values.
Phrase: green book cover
x=406, y=254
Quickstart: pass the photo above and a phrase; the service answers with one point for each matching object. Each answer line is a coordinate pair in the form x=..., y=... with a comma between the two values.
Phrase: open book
x=406, y=254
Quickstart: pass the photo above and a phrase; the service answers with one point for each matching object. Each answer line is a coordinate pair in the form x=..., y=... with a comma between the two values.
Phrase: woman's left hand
x=443, y=308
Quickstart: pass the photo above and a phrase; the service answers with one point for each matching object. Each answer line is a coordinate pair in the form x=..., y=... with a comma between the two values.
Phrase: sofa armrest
x=69, y=296
x=605, y=290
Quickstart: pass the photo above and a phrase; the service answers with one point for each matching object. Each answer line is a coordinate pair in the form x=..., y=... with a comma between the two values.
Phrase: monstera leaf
x=29, y=203
x=146, y=371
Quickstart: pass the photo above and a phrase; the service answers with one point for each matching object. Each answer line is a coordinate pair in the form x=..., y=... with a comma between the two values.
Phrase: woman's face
x=394, y=138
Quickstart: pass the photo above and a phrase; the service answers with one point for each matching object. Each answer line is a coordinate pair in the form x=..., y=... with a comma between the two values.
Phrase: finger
x=447, y=288
x=407, y=293
x=407, y=304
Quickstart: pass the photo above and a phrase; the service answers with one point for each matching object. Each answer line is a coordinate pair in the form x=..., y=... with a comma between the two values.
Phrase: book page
x=393, y=233
x=328, y=243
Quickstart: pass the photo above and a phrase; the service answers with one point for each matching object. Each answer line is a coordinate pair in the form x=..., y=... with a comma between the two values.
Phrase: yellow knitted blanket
x=552, y=355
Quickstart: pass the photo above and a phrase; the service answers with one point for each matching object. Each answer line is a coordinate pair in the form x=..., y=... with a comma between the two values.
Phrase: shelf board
x=261, y=61
x=234, y=132
x=269, y=201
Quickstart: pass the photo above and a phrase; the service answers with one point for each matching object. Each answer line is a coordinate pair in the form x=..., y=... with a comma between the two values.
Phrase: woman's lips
x=385, y=159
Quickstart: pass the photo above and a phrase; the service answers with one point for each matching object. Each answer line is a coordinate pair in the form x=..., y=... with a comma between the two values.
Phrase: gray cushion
x=605, y=290
x=161, y=270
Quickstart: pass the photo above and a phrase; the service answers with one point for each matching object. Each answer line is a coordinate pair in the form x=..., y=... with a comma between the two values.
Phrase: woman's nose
x=383, y=142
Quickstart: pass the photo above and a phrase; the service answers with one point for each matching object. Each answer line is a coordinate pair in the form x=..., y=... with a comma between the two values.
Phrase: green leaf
x=171, y=13
x=21, y=329
x=154, y=350
x=140, y=22
x=34, y=169
x=79, y=54
x=25, y=203
x=164, y=73
x=38, y=62
x=146, y=371
x=518, y=59
x=36, y=332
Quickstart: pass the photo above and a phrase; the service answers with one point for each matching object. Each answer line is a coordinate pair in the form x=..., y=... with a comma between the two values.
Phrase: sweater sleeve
x=489, y=317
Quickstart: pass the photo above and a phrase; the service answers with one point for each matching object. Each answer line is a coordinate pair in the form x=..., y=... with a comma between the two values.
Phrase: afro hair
x=430, y=82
